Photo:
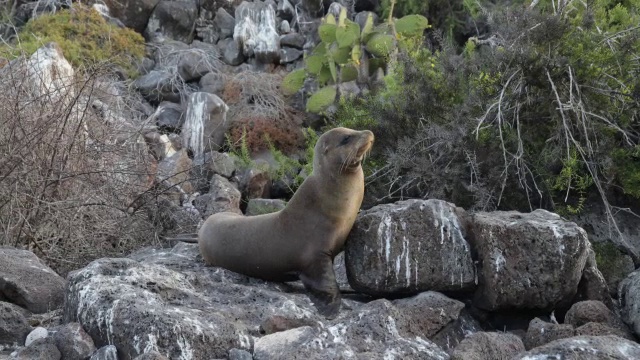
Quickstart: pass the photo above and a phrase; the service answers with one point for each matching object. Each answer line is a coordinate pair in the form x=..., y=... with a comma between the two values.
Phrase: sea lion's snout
x=364, y=144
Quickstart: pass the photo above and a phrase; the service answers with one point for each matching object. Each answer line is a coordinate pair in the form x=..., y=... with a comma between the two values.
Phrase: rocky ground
x=421, y=279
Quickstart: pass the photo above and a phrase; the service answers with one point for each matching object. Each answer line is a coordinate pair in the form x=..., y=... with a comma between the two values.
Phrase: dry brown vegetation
x=72, y=165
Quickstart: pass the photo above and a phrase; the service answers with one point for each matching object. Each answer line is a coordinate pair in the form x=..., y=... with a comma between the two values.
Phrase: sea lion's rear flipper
x=320, y=281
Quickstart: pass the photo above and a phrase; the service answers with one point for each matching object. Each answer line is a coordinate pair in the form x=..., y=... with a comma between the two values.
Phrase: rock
x=285, y=27
x=222, y=164
x=49, y=75
x=430, y=312
x=201, y=311
x=488, y=346
x=613, y=264
x=386, y=330
x=169, y=116
x=527, y=261
x=32, y=10
x=174, y=172
x=41, y=349
x=592, y=285
x=108, y=352
x=173, y=19
x=37, y=334
x=600, y=329
x=312, y=7
x=225, y=23
x=285, y=10
x=457, y=330
x=197, y=62
x=73, y=342
x=239, y=354
x=213, y=83
x=14, y=327
x=294, y=40
x=264, y=206
x=340, y=269
x=255, y=31
x=173, y=218
x=231, y=52
x=27, y=282
x=540, y=333
x=158, y=86
x=255, y=182
x=159, y=145
x=223, y=196
x=584, y=312
x=585, y=348
x=205, y=123
x=629, y=296
x=103, y=10
x=289, y=55
x=133, y=13
x=276, y=323
x=408, y=247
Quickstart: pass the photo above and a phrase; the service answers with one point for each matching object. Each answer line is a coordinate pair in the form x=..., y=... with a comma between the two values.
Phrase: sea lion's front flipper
x=320, y=281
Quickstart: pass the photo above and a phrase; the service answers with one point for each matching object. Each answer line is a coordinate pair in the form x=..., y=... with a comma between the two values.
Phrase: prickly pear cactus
x=345, y=53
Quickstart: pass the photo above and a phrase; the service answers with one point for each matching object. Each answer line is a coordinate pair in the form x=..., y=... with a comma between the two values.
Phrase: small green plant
x=347, y=52
x=292, y=168
x=241, y=151
x=84, y=37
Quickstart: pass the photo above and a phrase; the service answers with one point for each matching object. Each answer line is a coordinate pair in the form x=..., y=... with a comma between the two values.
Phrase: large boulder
x=14, y=327
x=159, y=85
x=27, y=282
x=585, y=348
x=167, y=300
x=255, y=31
x=629, y=295
x=133, y=13
x=205, y=123
x=173, y=19
x=409, y=247
x=527, y=261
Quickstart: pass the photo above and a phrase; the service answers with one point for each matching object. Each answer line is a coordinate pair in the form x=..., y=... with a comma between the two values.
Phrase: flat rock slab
x=27, y=282
x=409, y=247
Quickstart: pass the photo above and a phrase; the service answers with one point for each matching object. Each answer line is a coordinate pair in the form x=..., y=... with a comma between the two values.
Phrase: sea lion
x=301, y=240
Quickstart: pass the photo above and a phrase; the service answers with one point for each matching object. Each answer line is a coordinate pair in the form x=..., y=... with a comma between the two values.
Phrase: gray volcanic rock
x=108, y=352
x=73, y=342
x=527, y=261
x=255, y=31
x=41, y=349
x=14, y=327
x=168, y=300
x=540, y=333
x=409, y=247
x=585, y=348
x=225, y=23
x=205, y=123
x=27, y=282
x=375, y=330
x=173, y=19
x=133, y=13
x=488, y=346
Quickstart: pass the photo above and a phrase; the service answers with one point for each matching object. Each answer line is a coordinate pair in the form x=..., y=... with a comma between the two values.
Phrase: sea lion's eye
x=345, y=140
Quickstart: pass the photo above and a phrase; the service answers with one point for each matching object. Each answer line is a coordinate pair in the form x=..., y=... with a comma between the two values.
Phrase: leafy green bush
x=542, y=113
x=84, y=36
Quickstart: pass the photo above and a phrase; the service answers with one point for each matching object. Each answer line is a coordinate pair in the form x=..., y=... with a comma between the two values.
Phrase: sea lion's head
x=342, y=150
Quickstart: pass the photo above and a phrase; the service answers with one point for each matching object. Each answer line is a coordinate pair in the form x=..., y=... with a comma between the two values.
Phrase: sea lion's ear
x=325, y=148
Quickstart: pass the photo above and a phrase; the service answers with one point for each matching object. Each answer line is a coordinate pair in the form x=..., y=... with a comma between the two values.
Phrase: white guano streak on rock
x=194, y=124
x=338, y=331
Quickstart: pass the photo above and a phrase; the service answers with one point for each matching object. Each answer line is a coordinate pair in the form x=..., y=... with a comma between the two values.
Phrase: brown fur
x=301, y=240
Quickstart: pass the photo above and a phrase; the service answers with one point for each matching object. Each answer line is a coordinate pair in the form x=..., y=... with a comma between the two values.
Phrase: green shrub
x=84, y=36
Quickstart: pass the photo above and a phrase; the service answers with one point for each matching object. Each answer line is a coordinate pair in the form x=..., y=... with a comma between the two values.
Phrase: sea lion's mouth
x=360, y=155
